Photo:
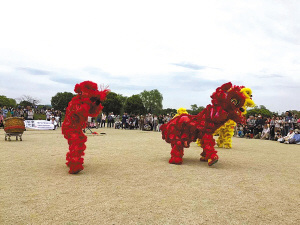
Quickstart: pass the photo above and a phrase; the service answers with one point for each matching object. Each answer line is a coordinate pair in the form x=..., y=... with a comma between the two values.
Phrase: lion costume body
x=86, y=103
x=228, y=103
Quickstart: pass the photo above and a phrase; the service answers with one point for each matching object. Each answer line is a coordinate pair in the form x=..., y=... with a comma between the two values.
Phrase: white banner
x=39, y=124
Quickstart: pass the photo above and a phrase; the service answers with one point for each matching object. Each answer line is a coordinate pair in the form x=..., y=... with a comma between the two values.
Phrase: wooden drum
x=14, y=125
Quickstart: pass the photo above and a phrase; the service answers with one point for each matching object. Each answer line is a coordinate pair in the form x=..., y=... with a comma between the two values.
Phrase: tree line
x=145, y=102
x=137, y=104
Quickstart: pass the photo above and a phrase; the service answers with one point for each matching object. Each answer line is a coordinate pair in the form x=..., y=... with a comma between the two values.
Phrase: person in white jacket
x=265, y=133
x=286, y=138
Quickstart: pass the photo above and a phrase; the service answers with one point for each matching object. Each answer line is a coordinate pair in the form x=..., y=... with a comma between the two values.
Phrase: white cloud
x=133, y=45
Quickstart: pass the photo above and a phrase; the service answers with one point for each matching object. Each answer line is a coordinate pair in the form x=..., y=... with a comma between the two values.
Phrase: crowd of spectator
x=28, y=113
x=284, y=129
x=148, y=122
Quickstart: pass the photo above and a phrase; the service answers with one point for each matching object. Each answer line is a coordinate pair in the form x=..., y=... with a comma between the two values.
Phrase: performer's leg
x=76, y=152
x=228, y=137
x=209, y=152
x=176, y=153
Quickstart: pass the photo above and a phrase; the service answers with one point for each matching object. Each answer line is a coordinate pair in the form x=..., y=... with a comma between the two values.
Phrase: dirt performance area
x=127, y=180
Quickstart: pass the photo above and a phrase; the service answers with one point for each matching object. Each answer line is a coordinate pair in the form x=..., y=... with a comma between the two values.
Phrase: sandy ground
x=127, y=180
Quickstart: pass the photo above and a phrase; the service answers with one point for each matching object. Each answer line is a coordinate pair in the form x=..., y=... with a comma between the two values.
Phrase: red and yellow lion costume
x=86, y=103
x=228, y=103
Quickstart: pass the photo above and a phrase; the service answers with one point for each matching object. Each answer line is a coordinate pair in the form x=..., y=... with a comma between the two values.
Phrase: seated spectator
x=240, y=133
x=296, y=138
x=286, y=139
x=265, y=132
x=246, y=130
x=131, y=123
x=277, y=135
x=257, y=131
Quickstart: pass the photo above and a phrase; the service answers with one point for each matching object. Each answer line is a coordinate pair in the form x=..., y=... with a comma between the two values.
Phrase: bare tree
x=27, y=98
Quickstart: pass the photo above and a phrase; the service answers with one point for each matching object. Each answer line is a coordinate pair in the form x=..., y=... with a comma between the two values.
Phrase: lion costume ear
x=77, y=88
x=226, y=87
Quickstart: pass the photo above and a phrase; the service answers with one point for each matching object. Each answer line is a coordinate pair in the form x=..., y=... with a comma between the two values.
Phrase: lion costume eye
x=235, y=101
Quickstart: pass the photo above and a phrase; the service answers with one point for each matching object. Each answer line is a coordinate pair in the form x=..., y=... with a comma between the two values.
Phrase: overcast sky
x=185, y=49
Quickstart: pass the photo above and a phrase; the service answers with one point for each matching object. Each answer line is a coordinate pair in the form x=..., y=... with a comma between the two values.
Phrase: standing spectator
x=1, y=119
x=57, y=119
x=124, y=121
x=277, y=124
x=272, y=127
x=141, y=122
x=160, y=121
x=21, y=113
x=258, y=126
x=59, y=114
x=149, y=119
x=117, y=122
x=131, y=123
x=110, y=120
x=294, y=121
x=260, y=120
x=54, y=123
x=17, y=112
x=167, y=118
x=287, y=122
x=281, y=119
x=136, y=121
x=155, y=122
x=98, y=119
x=48, y=115
x=251, y=125
x=12, y=112
x=103, y=120
x=30, y=115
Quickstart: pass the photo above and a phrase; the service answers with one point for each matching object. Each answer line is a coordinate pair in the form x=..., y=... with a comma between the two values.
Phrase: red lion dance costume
x=86, y=103
x=227, y=103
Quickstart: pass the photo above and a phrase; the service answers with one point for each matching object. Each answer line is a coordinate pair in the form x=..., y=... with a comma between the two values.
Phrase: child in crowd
x=265, y=132
x=53, y=121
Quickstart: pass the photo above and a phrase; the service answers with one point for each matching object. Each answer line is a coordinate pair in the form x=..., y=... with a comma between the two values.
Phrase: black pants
x=272, y=132
x=110, y=123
